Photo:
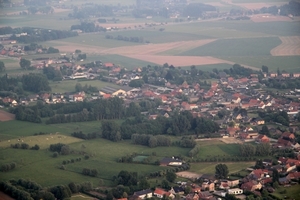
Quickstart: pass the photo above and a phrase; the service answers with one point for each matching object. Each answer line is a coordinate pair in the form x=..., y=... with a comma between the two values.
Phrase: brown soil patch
x=269, y=18
x=290, y=46
x=186, y=174
x=152, y=49
x=5, y=196
x=5, y=116
x=178, y=60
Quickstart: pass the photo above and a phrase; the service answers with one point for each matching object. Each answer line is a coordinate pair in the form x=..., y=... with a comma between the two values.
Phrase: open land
x=6, y=116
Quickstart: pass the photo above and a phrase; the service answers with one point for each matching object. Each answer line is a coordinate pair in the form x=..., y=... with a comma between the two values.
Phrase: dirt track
x=5, y=116
x=290, y=46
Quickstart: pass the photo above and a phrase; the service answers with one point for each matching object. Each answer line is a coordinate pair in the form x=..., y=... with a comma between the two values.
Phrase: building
x=235, y=191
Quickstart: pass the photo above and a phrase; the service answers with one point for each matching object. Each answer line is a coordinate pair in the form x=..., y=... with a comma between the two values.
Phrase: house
x=112, y=91
x=177, y=190
x=192, y=196
x=161, y=193
x=143, y=194
x=288, y=136
x=235, y=191
x=296, y=75
x=207, y=185
x=262, y=139
x=293, y=176
x=205, y=195
x=283, y=143
x=251, y=186
x=171, y=162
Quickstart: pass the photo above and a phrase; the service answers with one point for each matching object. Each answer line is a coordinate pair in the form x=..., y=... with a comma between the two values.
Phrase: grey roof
x=143, y=192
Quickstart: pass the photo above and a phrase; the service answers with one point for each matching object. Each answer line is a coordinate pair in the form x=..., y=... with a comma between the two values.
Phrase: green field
x=292, y=192
x=69, y=85
x=288, y=63
x=209, y=168
x=236, y=47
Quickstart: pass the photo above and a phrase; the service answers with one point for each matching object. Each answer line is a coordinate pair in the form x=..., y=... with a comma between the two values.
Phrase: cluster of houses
x=207, y=186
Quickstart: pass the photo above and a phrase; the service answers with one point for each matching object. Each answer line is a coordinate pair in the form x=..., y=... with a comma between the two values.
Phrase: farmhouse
x=170, y=162
x=143, y=194
x=113, y=91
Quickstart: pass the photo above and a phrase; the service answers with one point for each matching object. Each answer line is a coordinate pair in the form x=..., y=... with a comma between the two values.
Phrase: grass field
x=209, y=168
x=37, y=165
x=69, y=85
x=292, y=192
x=288, y=63
x=16, y=129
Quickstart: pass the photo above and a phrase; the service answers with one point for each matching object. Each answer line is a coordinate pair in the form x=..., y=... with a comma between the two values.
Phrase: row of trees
x=178, y=124
x=279, y=117
x=249, y=150
x=87, y=27
x=24, y=146
x=63, y=149
x=90, y=172
x=125, y=38
x=22, y=189
x=41, y=35
x=8, y=166
x=150, y=140
x=84, y=136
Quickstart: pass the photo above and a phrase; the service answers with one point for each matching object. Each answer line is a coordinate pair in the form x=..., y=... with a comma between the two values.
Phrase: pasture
x=42, y=140
x=37, y=165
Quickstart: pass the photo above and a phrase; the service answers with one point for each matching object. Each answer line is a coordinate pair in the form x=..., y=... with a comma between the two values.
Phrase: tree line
x=34, y=35
x=23, y=189
x=178, y=124
x=125, y=38
x=87, y=27
x=249, y=150
x=279, y=117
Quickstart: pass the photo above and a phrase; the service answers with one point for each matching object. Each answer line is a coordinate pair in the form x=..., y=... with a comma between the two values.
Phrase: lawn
x=292, y=192
x=216, y=149
x=236, y=47
x=209, y=168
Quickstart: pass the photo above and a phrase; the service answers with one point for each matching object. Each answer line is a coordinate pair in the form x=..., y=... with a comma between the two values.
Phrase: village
x=231, y=102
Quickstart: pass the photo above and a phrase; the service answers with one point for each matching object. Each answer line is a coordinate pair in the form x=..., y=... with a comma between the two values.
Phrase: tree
x=259, y=164
x=165, y=184
x=265, y=69
x=25, y=64
x=171, y=176
x=221, y=171
x=111, y=131
x=2, y=66
x=264, y=130
x=275, y=176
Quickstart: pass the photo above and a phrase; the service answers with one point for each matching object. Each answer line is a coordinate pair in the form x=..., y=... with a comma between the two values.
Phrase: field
x=5, y=116
x=292, y=192
x=69, y=85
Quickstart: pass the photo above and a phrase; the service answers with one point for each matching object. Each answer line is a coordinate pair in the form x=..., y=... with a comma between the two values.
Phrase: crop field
x=288, y=63
x=236, y=47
